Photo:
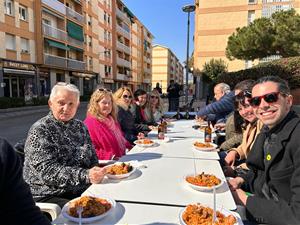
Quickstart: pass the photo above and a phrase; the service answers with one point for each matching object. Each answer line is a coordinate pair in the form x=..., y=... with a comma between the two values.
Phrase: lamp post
x=188, y=9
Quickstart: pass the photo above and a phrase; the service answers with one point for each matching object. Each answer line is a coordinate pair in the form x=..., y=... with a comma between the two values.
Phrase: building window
x=251, y=16
x=10, y=42
x=248, y=64
x=24, y=45
x=9, y=7
x=89, y=20
x=23, y=13
x=252, y=2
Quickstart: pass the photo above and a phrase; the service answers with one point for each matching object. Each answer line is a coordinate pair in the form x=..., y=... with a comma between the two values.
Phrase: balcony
x=123, y=62
x=123, y=32
x=121, y=76
x=123, y=47
x=54, y=32
x=148, y=71
x=54, y=60
x=75, y=64
x=54, y=4
x=76, y=42
x=122, y=15
x=74, y=15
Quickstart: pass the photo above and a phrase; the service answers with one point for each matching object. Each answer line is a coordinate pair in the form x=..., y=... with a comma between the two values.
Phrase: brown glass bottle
x=207, y=132
x=161, y=130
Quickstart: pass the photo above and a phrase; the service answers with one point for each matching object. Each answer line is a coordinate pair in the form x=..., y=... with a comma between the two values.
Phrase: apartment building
x=17, y=44
x=86, y=43
x=141, y=56
x=165, y=67
x=216, y=20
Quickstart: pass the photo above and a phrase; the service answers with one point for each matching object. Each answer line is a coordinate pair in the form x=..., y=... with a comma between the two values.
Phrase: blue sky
x=166, y=21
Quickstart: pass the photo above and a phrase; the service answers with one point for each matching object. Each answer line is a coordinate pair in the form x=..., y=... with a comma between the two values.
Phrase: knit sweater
x=57, y=157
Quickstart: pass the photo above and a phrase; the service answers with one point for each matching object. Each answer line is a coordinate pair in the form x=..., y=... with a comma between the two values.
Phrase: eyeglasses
x=244, y=94
x=127, y=96
x=104, y=89
x=152, y=96
x=269, y=98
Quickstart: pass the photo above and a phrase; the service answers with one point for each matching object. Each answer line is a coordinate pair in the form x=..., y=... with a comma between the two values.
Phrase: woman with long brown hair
x=104, y=129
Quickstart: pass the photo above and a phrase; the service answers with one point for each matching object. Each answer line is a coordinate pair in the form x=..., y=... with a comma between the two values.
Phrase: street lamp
x=188, y=9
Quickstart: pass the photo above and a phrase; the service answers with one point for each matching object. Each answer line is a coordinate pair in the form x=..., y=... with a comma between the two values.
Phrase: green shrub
x=6, y=102
x=286, y=68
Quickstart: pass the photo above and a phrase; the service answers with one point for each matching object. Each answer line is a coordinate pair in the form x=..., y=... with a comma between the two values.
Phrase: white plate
x=214, y=146
x=143, y=145
x=201, y=188
x=65, y=210
x=120, y=176
x=106, y=162
x=221, y=210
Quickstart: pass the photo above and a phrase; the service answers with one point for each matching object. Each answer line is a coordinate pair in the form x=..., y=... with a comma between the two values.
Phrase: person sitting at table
x=235, y=122
x=156, y=106
x=123, y=99
x=103, y=127
x=237, y=156
x=60, y=160
x=274, y=163
x=17, y=205
x=143, y=120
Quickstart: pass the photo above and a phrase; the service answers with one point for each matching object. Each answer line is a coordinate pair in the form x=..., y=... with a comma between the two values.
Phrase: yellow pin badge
x=269, y=157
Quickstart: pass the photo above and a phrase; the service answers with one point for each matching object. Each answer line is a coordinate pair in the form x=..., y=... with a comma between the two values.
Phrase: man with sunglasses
x=274, y=161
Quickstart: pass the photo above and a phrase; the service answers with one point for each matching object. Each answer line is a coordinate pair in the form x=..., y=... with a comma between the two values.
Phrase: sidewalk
x=27, y=110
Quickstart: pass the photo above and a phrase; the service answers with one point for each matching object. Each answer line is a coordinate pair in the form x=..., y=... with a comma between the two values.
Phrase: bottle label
x=207, y=137
x=161, y=135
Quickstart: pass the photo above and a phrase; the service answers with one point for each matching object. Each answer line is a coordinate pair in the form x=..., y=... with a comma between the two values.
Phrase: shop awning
x=129, y=13
x=75, y=31
x=74, y=48
x=57, y=44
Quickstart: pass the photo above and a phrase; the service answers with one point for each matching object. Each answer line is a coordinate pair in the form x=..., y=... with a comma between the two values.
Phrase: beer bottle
x=178, y=116
x=161, y=131
x=165, y=125
x=207, y=132
x=187, y=115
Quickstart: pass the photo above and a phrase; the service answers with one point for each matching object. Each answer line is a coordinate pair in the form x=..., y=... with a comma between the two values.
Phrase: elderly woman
x=143, y=117
x=103, y=127
x=156, y=106
x=60, y=161
x=123, y=99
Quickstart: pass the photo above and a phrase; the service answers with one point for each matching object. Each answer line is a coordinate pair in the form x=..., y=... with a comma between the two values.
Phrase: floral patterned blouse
x=57, y=157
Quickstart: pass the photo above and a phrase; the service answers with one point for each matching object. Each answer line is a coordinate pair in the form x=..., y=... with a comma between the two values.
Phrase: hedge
x=286, y=68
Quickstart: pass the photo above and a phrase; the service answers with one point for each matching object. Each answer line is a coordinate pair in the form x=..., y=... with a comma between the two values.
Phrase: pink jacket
x=104, y=141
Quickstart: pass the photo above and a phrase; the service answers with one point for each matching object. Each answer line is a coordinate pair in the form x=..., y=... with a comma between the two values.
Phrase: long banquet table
x=158, y=186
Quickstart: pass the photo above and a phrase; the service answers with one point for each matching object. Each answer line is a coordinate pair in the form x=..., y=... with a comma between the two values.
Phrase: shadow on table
x=117, y=214
x=137, y=173
x=141, y=156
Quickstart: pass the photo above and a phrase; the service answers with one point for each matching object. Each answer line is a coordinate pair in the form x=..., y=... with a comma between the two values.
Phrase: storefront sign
x=107, y=80
x=23, y=66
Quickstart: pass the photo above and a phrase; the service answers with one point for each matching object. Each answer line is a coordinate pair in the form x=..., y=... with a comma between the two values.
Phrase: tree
x=213, y=69
x=278, y=35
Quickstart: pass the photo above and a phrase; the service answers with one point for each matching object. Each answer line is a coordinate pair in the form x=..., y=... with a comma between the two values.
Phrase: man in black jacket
x=17, y=206
x=274, y=161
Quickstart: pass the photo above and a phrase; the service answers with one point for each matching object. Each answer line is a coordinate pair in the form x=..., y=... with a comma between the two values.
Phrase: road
x=16, y=128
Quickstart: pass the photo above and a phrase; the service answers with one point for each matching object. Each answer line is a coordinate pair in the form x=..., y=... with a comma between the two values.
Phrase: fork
x=79, y=210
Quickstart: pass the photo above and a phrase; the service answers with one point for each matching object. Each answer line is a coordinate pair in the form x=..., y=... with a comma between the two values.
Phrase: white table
x=162, y=183
x=177, y=147
x=127, y=213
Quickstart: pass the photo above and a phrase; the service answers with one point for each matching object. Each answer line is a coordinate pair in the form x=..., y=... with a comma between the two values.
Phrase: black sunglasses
x=126, y=96
x=152, y=96
x=244, y=94
x=104, y=89
x=269, y=98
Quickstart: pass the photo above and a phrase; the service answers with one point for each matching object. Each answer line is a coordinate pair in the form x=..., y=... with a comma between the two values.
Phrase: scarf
x=115, y=129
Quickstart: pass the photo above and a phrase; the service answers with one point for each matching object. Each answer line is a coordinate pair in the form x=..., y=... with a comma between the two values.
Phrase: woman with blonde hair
x=156, y=105
x=105, y=131
x=123, y=99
